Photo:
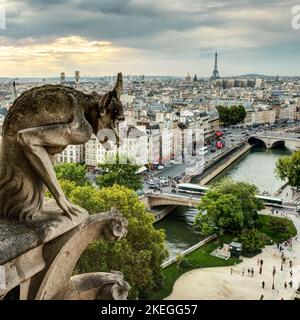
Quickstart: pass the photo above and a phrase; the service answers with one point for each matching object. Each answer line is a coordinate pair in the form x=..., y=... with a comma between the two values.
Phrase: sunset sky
x=165, y=37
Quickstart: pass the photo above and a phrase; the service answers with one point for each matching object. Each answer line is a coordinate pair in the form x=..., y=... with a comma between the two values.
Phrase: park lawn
x=200, y=258
x=277, y=237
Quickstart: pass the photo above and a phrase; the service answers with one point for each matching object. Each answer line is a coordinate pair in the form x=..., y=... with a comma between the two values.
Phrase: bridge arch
x=267, y=142
x=257, y=142
x=278, y=144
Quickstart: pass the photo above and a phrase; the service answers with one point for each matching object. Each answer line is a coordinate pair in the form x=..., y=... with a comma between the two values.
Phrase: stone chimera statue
x=41, y=123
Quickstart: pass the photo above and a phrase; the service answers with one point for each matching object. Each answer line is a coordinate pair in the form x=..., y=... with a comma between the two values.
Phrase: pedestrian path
x=222, y=283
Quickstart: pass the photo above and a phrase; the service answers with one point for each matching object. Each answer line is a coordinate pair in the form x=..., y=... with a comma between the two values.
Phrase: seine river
x=256, y=166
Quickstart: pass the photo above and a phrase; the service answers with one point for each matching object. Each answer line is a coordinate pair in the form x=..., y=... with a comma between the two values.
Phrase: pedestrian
x=291, y=284
x=285, y=285
x=291, y=273
x=248, y=271
x=291, y=263
x=231, y=270
x=274, y=269
x=261, y=262
x=263, y=284
x=252, y=271
x=258, y=262
x=261, y=297
x=243, y=271
x=260, y=270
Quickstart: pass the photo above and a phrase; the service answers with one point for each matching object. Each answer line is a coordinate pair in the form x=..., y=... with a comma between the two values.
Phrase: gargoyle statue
x=41, y=123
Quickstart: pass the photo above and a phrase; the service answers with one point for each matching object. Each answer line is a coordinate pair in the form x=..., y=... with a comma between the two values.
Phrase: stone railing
x=37, y=258
x=189, y=250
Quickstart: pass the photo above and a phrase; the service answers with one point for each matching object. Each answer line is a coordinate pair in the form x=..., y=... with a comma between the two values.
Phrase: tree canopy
x=288, y=168
x=71, y=171
x=231, y=115
x=120, y=173
x=252, y=240
x=228, y=206
x=139, y=255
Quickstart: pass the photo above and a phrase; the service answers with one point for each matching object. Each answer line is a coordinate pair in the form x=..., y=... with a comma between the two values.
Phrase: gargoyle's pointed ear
x=105, y=99
x=117, y=91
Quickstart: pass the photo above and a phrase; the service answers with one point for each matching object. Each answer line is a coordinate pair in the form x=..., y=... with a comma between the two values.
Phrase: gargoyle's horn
x=119, y=85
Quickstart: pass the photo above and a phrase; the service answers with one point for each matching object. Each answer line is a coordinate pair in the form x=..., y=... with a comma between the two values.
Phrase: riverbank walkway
x=219, y=284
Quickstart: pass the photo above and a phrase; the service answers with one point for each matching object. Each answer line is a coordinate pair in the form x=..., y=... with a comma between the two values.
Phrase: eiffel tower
x=215, y=74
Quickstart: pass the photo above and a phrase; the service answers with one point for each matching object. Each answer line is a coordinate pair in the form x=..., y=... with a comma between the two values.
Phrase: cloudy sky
x=151, y=37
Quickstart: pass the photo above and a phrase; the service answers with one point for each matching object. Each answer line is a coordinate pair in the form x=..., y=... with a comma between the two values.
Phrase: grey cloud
x=136, y=23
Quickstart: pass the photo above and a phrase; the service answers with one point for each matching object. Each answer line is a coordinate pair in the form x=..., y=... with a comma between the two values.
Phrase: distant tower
x=77, y=79
x=62, y=78
x=215, y=74
x=195, y=78
x=14, y=95
x=188, y=77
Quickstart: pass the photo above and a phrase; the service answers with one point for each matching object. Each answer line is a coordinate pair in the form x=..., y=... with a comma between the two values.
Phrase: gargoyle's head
x=110, y=111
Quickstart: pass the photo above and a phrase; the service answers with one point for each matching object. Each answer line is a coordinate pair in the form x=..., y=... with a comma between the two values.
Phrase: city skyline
x=150, y=38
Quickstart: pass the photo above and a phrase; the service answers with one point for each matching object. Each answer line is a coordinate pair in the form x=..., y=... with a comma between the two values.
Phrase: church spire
x=14, y=94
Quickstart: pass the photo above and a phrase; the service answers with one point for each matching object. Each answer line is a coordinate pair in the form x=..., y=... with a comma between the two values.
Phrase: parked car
x=140, y=192
x=160, y=167
x=212, y=150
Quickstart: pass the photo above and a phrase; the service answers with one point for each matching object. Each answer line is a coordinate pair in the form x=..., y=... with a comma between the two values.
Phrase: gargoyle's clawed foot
x=70, y=210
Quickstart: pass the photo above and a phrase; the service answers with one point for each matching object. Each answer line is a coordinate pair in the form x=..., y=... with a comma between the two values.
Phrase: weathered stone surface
x=44, y=268
x=62, y=254
x=101, y=285
x=41, y=123
x=17, y=238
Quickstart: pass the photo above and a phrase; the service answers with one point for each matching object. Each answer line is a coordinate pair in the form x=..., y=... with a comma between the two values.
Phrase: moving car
x=163, y=182
x=150, y=182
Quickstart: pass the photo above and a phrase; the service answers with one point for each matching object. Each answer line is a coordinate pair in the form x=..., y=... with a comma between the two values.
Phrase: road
x=231, y=140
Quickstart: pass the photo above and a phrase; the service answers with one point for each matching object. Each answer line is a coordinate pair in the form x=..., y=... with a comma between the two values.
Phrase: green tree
x=123, y=174
x=228, y=206
x=139, y=255
x=252, y=240
x=231, y=115
x=72, y=172
x=288, y=168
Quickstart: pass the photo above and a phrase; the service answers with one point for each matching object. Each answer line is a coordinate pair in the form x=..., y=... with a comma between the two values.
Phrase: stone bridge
x=272, y=141
x=155, y=200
